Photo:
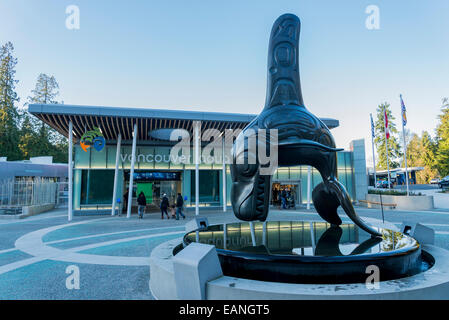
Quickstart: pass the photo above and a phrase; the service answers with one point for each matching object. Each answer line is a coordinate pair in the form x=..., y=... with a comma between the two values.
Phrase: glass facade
x=94, y=175
x=345, y=174
x=209, y=189
x=96, y=186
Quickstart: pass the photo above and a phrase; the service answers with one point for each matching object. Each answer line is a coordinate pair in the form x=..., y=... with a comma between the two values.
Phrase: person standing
x=125, y=200
x=141, y=204
x=284, y=199
x=179, y=204
x=164, y=206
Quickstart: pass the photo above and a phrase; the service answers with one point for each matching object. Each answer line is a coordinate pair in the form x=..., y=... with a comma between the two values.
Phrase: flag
x=387, y=131
x=372, y=126
x=403, y=112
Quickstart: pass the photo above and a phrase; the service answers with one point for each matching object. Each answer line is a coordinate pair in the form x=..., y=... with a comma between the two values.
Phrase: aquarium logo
x=93, y=138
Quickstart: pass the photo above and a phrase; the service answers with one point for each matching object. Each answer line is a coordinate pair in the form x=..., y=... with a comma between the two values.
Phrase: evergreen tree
x=28, y=138
x=9, y=115
x=442, y=157
x=394, y=151
x=421, y=153
x=413, y=149
x=427, y=155
x=43, y=141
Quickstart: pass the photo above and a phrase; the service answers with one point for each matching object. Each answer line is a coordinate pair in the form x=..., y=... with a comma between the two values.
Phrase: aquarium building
x=130, y=149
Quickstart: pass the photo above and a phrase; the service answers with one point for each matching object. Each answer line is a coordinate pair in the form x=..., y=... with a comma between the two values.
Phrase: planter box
x=33, y=210
x=403, y=202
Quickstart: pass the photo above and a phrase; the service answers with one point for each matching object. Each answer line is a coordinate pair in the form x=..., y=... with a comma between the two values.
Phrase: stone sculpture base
x=432, y=284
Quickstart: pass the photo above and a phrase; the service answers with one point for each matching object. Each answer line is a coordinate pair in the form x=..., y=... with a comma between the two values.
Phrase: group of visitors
x=165, y=205
x=287, y=199
x=177, y=205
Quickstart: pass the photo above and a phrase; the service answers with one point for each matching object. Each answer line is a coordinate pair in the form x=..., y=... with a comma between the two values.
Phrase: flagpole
x=405, y=146
x=386, y=149
x=405, y=158
x=374, y=156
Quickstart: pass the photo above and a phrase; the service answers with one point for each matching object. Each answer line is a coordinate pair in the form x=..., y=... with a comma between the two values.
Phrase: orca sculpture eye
x=247, y=170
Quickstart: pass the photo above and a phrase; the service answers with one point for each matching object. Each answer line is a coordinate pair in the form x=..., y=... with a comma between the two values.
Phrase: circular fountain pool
x=311, y=252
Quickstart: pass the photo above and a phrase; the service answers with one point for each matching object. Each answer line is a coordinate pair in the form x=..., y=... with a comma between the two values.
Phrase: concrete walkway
x=37, y=254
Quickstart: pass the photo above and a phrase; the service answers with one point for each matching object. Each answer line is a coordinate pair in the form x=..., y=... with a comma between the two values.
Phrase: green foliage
x=21, y=135
x=394, y=150
x=442, y=153
x=9, y=115
x=421, y=153
x=387, y=192
x=39, y=139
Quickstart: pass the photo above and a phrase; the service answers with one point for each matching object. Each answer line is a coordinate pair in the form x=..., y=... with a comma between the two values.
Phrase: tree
x=413, y=149
x=9, y=115
x=427, y=156
x=38, y=139
x=394, y=151
x=421, y=153
x=442, y=157
x=28, y=138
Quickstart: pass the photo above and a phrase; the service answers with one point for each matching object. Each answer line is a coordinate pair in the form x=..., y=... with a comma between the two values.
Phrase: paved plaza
x=112, y=253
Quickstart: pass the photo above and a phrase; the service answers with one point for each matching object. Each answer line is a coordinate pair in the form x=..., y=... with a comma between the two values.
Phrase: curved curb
x=431, y=284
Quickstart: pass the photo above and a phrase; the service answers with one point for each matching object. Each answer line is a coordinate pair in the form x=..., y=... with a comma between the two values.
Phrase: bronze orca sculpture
x=303, y=139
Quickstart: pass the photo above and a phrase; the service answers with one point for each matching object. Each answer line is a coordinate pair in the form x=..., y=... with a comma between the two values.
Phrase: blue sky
x=212, y=55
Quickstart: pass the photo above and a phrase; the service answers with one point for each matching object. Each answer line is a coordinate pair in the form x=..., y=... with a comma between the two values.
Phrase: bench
x=391, y=205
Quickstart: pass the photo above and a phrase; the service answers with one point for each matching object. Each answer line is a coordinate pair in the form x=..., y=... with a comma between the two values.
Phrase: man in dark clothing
x=164, y=206
x=125, y=200
x=141, y=204
x=284, y=199
x=179, y=204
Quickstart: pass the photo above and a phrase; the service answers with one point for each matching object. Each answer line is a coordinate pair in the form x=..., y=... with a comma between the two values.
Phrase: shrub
x=387, y=192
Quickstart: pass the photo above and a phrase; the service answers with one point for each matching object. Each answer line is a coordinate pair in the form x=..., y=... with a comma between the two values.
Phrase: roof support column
x=131, y=174
x=70, y=167
x=309, y=182
x=197, y=146
x=117, y=159
x=223, y=173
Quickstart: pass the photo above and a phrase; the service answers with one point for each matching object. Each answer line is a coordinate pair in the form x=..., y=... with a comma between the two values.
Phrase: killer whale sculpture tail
x=303, y=139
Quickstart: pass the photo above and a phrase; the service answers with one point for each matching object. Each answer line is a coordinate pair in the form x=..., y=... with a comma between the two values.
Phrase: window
x=96, y=186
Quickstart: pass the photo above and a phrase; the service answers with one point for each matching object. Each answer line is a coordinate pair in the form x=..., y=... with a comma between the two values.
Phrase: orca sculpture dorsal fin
x=283, y=85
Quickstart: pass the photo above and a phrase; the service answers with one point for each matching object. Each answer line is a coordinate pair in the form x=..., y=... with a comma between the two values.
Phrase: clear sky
x=212, y=55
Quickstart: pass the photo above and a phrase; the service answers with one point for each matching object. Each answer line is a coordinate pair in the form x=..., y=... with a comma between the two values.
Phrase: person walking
x=164, y=206
x=141, y=204
x=179, y=204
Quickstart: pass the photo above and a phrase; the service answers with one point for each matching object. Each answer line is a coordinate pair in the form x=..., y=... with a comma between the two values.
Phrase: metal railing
x=28, y=193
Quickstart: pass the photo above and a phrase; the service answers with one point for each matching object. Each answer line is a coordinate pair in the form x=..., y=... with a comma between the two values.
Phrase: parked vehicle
x=385, y=184
x=435, y=181
x=444, y=183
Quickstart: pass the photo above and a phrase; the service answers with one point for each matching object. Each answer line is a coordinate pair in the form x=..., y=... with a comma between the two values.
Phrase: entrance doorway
x=170, y=188
x=154, y=184
x=290, y=190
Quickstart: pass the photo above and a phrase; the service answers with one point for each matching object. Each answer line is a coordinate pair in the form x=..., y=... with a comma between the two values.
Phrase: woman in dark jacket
x=141, y=204
x=164, y=206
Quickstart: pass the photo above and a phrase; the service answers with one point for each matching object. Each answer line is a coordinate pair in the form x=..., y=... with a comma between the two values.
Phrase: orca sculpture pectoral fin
x=339, y=191
x=326, y=204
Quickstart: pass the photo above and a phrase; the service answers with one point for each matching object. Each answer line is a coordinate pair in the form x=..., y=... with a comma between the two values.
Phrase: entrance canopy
x=116, y=120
